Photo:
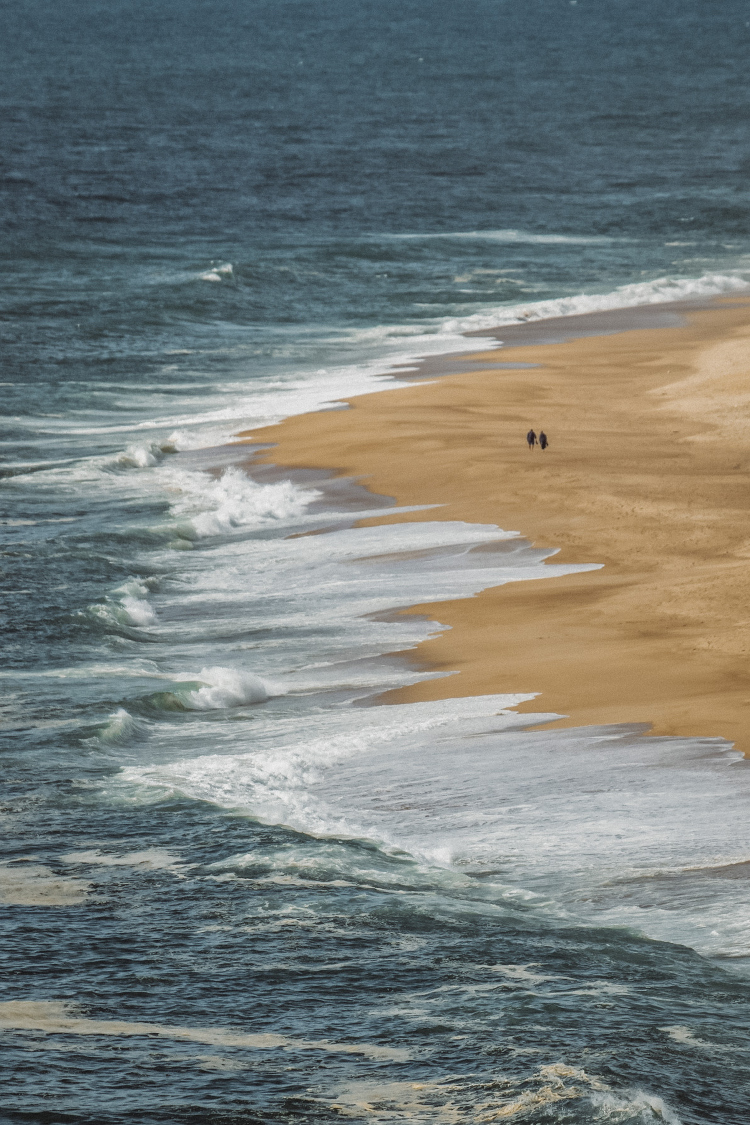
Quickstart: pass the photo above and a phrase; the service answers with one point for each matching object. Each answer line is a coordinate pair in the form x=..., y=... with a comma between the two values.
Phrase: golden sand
x=648, y=472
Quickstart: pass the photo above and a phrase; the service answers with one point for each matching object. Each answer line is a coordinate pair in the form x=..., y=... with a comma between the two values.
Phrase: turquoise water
x=232, y=890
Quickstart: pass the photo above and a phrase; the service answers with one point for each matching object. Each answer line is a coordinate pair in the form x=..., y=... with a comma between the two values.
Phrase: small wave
x=144, y=456
x=636, y=1108
x=126, y=605
x=510, y=236
x=120, y=727
x=215, y=689
x=218, y=273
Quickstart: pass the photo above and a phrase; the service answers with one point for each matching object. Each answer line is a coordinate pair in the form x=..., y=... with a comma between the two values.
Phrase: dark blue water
x=213, y=215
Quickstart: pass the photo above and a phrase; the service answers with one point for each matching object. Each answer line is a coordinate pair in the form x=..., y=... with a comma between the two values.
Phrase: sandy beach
x=647, y=473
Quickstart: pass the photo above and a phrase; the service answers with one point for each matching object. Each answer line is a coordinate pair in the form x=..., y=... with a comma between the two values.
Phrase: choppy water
x=231, y=893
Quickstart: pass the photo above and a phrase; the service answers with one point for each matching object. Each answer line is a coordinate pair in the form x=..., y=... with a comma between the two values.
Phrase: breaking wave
x=206, y=506
x=214, y=689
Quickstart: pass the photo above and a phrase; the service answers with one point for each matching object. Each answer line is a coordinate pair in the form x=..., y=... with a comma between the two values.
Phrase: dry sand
x=648, y=472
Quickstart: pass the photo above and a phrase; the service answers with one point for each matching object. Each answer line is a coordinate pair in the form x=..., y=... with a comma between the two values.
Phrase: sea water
x=234, y=888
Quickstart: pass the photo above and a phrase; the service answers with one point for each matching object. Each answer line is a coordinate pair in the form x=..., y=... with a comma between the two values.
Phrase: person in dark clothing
x=543, y=443
x=531, y=439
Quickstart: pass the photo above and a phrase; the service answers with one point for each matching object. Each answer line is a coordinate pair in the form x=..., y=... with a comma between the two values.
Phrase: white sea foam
x=658, y=291
x=278, y=783
x=596, y=824
x=217, y=505
x=313, y=598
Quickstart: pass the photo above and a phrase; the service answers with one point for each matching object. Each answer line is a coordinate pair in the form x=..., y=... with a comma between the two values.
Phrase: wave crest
x=215, y=689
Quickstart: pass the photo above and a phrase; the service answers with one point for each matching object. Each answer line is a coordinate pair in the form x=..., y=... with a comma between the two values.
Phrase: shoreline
x=648, y=473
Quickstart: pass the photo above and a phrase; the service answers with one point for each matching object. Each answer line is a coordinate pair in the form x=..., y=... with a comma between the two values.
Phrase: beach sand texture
x=648, y=473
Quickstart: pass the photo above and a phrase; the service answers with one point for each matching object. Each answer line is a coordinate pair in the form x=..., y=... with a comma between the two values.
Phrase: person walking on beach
x=531, y=439
x=543, y=443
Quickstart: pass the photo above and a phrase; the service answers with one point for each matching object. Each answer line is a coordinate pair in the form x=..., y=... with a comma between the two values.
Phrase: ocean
x=233, y=890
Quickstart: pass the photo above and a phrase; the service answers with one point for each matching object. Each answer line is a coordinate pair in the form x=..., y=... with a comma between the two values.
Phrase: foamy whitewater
x=235, y=888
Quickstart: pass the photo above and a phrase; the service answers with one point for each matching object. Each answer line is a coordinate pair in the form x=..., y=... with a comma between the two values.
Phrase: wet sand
x=648, y=472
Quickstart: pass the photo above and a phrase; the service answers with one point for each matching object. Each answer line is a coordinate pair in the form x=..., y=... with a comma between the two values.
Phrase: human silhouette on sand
x=543, y=443
x=531, y=439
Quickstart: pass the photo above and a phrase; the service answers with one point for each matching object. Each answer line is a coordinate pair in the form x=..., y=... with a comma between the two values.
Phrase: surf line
x=647, y=473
